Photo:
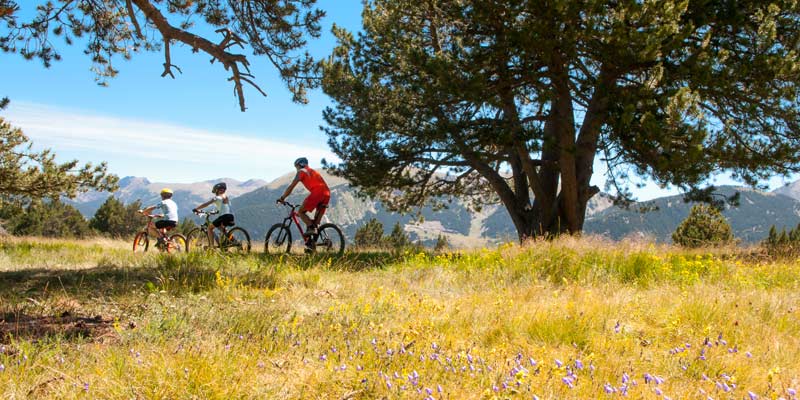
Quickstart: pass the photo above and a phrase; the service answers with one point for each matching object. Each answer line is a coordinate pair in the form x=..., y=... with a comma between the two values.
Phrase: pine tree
x=398, y=239
x=516, y=101
x=369, y=235
x=772, y=238
x=115, y=219
x=441, y=243
x=277, y=29
x=705, y=226
x=186, y=225
x=49, y=218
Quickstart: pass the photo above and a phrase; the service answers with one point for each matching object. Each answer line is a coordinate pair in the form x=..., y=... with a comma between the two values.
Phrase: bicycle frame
x=293, y=216
x=151, y=223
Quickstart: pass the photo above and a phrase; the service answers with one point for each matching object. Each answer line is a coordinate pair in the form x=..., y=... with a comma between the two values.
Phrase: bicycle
x=329, y=237
x=235, y=240
x=170, y=244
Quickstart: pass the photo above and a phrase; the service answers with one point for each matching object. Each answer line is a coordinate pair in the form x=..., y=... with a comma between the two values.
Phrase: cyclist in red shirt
x=318, y=199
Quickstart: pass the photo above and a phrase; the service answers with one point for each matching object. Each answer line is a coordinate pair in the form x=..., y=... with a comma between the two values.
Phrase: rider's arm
x=147, y=210
x=204, y=205
x=291, y=187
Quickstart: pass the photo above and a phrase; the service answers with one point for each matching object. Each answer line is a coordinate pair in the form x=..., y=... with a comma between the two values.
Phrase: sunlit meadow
x=569, y=319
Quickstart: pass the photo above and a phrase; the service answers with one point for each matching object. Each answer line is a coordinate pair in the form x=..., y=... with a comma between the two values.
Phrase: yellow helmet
x=166, y=190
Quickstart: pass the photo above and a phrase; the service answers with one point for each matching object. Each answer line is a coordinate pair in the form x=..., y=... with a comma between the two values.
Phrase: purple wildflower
x=791, y=392
x=647, y=378
x=429, y=391
x=532, y=362
x=323, y=357
x=608, y=388
x=578, y=364
x=469, y=358
x=559, y=363
x=749, y=354
x=625, y=377
x=373, y=341
x=439, y=388
x=2, y=367
x=658, y=392
x=752, y=396
x=617, y=327
x=86, y=386
x=434, y=346
x=388, y=385
x=495, y=388
x=568, y=380
x=658, y=380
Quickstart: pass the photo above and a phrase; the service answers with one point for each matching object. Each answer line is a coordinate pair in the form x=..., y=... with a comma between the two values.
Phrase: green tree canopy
x=513, y=100
x=370, y=234
x=275, y=29
x=705, y=226
x=28, y=174
x=116, y=219
x=47, y=218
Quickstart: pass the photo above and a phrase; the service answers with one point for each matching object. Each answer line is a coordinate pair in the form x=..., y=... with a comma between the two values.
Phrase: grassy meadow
x=569, y=319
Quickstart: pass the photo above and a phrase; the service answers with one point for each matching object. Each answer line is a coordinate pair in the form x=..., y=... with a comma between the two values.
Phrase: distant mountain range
x=255, y=209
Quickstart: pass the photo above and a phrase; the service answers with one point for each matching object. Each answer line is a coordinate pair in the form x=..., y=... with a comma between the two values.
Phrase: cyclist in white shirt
x=223, y=204
x=168, y=216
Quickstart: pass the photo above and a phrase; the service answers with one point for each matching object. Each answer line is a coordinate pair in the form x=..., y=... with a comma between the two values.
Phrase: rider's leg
x=320, y=212
x=210, y=235
x=304, y=217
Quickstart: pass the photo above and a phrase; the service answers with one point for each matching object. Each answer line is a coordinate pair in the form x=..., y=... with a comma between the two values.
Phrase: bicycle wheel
x=196, y=240
x=176, y=244
x=237, y=241
x=278, y=240
x=330, y=239
x=140, y=242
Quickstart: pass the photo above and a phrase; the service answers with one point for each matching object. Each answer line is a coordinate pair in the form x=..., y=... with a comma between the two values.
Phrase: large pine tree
x=513, y=101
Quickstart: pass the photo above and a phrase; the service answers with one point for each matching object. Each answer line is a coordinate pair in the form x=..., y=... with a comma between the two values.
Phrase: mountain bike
x=328, y=239
x=174, y=243
x=234, y=240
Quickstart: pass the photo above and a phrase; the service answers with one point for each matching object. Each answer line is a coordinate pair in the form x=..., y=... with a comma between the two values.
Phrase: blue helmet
x=301, y=162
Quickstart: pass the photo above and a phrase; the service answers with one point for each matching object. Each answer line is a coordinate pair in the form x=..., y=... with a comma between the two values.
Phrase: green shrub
x=705, y=226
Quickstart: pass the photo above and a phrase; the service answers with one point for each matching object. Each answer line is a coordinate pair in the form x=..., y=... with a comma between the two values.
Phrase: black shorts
x=225, y=219
x=165, y=224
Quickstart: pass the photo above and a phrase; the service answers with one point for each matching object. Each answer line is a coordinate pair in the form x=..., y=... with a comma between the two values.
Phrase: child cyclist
x=318, y=199
x=168, y=218
x=222, y=202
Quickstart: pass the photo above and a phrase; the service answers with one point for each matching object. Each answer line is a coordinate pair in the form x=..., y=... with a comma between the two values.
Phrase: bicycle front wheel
x=278, y=240
x=196, y=240
x=140, y=242
x=330, y=240
x=237, y=241
x=176, y=244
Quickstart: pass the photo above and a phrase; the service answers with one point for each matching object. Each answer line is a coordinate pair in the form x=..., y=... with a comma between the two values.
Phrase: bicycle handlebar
x=286, y=203
x=198, y=212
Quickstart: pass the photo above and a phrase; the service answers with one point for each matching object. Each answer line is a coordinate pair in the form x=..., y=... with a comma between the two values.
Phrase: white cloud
x=145, y=146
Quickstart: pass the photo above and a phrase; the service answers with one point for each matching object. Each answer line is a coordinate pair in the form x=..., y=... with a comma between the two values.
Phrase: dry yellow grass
x=574, y=318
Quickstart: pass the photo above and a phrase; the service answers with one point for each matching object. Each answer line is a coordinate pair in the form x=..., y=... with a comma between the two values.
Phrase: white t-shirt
x=223, y=206
x=169, y=209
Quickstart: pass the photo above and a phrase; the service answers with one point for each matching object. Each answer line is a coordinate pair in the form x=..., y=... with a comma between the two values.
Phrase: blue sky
x=183, y=130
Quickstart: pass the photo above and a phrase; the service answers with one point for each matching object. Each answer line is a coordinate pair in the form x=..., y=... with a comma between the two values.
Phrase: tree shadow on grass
x=16, y=325
x=102, y=281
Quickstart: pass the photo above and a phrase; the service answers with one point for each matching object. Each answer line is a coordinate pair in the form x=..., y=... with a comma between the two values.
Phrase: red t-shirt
x=312, y=180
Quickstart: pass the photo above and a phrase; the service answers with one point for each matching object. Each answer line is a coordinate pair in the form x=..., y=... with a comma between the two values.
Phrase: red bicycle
x=174, y=243
x=328, y=239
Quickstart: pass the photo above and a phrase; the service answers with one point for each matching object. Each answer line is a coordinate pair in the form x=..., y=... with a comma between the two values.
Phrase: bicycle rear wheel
x=278, y=240
x=176, y=244
x=141, y=242
x=237, y=241
x=330, y=240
